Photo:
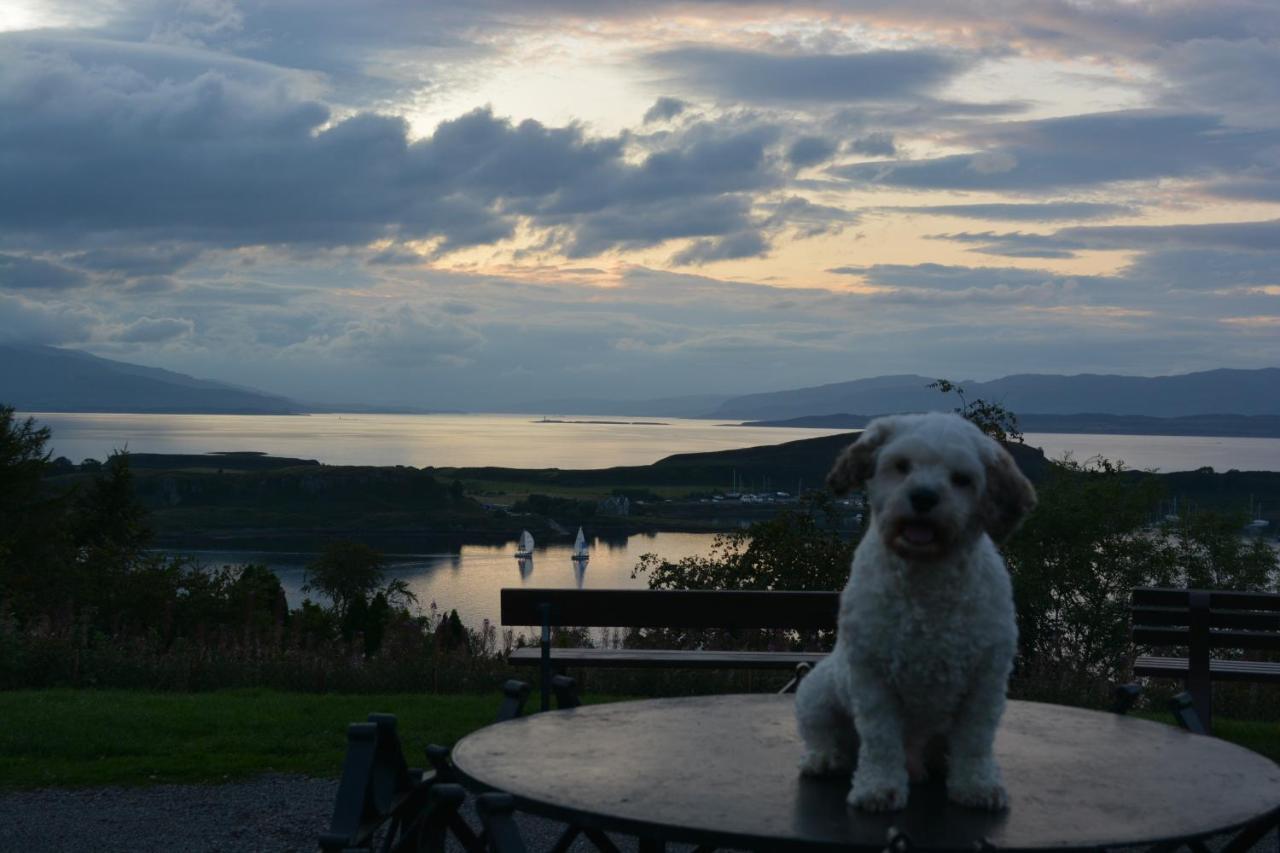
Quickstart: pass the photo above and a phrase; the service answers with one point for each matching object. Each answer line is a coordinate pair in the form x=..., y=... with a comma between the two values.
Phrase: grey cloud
x=270, y=170
x=456, y=308
x=810, y=150
x=1078, y=151
x=151, y=284
x=878, y=144
x=945, y=277
x=1239, y=77
x=403, y=337
x=155, y=330
x=18, y=272
x=136, y=260
x=745, y=244
x=1261, y=236
x=809, y=219
x=1206, y=269
x=664, y=109
x=1254, y=188
x=797, y=78
x=1030, y=212
x=23, y=321
x=642, y=225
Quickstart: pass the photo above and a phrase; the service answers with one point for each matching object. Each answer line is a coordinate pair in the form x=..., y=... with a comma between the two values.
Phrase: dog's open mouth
x=918, y=538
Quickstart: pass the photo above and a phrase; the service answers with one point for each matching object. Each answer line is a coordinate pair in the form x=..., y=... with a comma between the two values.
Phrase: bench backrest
x=1225, y=619
x=663, y=608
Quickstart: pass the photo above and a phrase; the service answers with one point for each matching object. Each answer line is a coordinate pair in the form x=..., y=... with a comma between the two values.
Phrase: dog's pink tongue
x=918, y=534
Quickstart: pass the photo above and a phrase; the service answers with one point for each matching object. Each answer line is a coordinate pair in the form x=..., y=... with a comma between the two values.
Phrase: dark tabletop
x=723, y=769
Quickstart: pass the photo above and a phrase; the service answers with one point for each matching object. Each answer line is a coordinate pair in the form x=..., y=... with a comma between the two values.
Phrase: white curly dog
x=926, y=631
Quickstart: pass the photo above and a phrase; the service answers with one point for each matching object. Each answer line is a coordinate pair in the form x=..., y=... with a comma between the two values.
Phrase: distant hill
x=1212, y=392
x=48, y=379
x=1226, y=426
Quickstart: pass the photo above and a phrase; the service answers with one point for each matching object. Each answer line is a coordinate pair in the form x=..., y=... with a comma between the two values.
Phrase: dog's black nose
x=923, y=500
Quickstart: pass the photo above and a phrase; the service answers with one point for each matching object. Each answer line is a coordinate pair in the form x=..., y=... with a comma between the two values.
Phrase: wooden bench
x=1200, y=621
x=640, y=608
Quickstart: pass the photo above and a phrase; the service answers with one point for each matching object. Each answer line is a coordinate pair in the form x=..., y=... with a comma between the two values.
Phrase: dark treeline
x=1073, y=563
x=83, y=601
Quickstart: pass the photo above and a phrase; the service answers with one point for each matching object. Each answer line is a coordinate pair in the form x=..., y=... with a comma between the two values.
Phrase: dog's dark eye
x=961, y=481
x=903, y=466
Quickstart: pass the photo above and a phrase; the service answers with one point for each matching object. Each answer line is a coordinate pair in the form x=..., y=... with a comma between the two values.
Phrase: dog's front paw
x=824, y=763
x=989, y=795
x=879, y=792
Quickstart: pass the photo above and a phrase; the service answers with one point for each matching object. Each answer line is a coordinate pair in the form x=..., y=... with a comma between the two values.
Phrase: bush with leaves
x=796, y=550
x=352, y=576
x=1090, y=541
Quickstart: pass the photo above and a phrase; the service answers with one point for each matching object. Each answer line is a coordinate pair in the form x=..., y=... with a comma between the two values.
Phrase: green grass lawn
x=128, y=737
x=1261, y=737
x=92, y=737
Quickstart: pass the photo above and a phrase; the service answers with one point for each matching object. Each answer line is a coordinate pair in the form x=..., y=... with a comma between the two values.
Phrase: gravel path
x=272, y=814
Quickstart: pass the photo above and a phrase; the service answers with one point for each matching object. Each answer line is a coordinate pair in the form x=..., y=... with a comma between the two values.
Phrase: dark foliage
x=569, y=510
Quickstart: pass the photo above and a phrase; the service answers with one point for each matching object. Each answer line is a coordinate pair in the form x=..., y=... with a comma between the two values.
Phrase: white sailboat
x=524, y=548
x=580, y=552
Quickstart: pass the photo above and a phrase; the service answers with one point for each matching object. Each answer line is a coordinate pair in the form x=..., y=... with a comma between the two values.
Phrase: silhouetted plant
x=992, y=418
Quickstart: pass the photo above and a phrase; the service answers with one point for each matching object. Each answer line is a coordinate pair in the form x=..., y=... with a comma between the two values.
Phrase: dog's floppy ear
x=855, y=465
x=1009, y=496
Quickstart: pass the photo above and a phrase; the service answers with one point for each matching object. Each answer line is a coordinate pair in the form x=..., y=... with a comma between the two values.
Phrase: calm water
x=519, y=441
x=515, y=441
x=1164, y=452
x=471, y=578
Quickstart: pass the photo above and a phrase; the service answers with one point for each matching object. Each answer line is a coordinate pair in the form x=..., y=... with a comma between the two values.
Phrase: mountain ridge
x=1212, y=392
x=50, y=379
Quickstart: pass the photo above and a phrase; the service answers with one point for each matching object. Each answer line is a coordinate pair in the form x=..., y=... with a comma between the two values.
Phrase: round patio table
x=721, y=771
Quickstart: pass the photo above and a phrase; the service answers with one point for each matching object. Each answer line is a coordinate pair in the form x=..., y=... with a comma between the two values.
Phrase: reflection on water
x=1165, y=452
x=469, y=579
x=442, y=441
x=520, y=441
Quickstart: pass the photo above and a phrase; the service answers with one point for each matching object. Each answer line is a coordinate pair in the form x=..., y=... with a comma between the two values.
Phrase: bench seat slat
x=667, y=658
x=1219, y=670
x=672, y=608
x=1218, y=599
x=1255, y=620
x=1217, y=639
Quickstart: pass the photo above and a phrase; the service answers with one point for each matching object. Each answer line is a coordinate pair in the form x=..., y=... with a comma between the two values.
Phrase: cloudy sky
x=483, y=203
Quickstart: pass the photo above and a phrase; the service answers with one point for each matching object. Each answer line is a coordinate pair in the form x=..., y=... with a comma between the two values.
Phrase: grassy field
x=89, y=737
x=124, y=737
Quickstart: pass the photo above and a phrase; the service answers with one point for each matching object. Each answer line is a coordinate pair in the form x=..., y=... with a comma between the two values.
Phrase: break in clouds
x=450, y=206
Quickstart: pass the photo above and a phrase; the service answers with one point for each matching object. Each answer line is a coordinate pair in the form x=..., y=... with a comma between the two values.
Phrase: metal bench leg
x=438, y=756
x=444, y=802
x=1183, y=709
x=544, y=683
x=566, y=839
x=500, y=828
x=1124, y=697
x=514, y=695
x=566, y=690
x=1199, y=680
x=602, y=842
x=350, y=806
x=802, y=669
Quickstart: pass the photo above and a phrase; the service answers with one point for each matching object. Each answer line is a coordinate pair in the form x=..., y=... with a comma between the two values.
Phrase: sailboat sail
x=525, y=547
x=580, y=546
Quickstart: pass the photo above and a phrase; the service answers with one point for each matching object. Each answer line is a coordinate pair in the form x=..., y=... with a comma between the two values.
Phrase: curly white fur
x=926, y=633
